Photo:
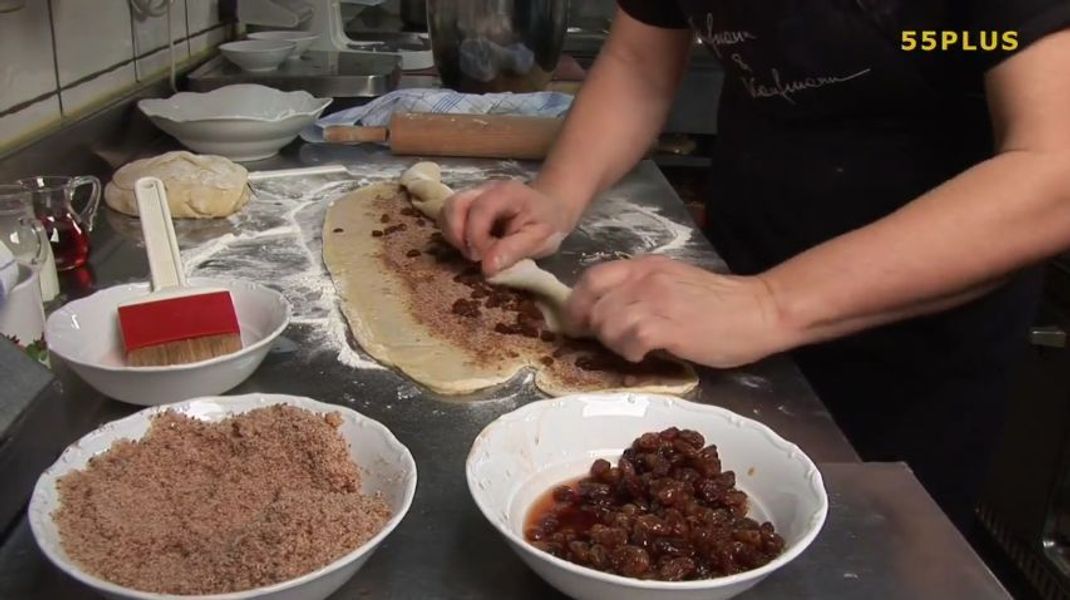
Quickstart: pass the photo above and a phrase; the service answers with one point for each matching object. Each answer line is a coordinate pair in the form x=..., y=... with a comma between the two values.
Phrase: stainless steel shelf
x=323, y=74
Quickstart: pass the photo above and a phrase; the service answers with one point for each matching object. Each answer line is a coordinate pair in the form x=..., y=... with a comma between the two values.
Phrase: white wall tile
x=203, y=14
x=86, y=94
x=27, y=120
x=150, y=33
x=209, y=39
x=91, y=36
x=27, y=67
x=160, y=61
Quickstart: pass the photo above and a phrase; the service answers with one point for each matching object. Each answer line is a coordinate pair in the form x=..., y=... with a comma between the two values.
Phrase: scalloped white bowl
x=387, y=467
x=525, y=453
x=243, y=122
x=85, y=334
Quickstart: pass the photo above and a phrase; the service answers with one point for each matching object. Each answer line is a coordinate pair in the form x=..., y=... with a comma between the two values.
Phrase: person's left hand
x=654, y=303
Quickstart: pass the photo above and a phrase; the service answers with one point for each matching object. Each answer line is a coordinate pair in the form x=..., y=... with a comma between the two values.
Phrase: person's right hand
x=502, y=222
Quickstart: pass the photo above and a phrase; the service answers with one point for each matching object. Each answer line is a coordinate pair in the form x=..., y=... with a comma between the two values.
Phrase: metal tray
x=323, y=74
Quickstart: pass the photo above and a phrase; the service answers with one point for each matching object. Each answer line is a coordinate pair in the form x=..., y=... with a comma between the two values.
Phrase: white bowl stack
x=301, y=40
x=526, y=453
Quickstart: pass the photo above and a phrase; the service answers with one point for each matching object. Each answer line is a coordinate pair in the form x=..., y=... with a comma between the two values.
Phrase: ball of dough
x=198, y=186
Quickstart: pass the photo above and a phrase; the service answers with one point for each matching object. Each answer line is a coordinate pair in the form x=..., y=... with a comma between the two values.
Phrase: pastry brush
x=176, y=323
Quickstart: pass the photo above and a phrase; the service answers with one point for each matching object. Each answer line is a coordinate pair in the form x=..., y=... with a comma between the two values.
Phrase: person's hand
x=502, y=222
x=653, y=303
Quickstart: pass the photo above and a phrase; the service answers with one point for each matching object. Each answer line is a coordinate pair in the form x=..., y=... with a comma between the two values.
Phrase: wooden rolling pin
x=478, y=136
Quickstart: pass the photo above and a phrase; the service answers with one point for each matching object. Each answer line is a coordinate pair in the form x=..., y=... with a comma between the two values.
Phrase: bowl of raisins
x=631, y=496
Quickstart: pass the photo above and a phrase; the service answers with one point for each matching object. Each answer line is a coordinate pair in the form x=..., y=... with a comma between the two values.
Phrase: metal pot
x=414, y=14
x=497, y=45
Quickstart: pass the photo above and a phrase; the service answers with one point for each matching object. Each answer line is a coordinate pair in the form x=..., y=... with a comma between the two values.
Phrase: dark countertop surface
x=884, y=537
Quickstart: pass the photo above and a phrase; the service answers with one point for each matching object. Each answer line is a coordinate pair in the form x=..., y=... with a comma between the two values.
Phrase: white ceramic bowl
x=242, y=122
x=387, y=468
x=257, y=56
x=301, y=39
x=85, y=334
x=527, y=452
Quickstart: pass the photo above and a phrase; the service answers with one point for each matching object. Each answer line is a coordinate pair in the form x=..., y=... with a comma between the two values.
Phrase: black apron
x=826, y=125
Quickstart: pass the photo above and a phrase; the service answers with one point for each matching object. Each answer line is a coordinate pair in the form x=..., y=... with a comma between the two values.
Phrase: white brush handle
x=161, y=244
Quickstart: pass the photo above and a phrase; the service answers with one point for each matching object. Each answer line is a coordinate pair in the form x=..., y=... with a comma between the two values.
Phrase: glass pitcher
x=67, y=229
x=19, y=230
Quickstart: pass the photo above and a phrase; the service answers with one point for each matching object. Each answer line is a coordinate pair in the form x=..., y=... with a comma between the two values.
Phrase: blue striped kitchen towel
x=377, y=113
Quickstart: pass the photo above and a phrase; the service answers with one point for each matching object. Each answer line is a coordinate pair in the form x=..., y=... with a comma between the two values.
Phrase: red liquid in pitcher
x=70, y=243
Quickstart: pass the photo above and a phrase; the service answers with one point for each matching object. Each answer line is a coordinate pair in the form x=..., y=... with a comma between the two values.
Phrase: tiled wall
x=62, y=57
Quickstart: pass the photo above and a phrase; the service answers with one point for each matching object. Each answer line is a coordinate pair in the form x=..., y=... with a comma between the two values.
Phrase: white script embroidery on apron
x=780, y=88
x=718, y=39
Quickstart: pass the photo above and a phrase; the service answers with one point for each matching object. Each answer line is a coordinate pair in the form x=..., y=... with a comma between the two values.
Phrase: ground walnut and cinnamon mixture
x=450, y=296
x=204, y=508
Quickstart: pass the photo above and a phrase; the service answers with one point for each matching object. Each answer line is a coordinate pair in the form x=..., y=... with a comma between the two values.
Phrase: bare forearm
x=948, y=247
x=620, y=110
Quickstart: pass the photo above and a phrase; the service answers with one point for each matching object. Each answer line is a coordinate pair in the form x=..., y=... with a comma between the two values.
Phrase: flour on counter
x=634, y=229
x=276, y=241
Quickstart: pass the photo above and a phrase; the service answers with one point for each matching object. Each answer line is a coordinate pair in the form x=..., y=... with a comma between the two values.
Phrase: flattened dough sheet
x=378, y=304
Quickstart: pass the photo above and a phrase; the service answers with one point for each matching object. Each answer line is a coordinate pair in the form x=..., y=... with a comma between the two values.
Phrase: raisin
x=547, y=360
x=580, y=552
x=693, y=439
x=670, y=433
x=610, y=537
x=632, y=561
x=466, y=308
x=600, y=467
x=676, y=569
x=338, y=230
x=564, y=493
x=469, y=277
x=384, y=219
x=377, y=233
x=647, y=442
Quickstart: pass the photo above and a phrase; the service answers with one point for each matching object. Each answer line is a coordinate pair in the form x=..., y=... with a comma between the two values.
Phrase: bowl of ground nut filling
x=224, y=498
x=642, y=496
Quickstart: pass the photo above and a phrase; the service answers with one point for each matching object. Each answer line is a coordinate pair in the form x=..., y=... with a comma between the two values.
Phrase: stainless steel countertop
x=884, y=538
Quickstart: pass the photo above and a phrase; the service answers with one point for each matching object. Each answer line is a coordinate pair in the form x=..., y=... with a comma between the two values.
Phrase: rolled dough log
x=551, y=295
x=198, y=186
x=424, y=182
